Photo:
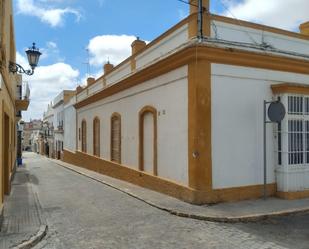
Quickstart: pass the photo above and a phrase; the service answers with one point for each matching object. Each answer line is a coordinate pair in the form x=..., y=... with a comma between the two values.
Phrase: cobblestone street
x=82, y=213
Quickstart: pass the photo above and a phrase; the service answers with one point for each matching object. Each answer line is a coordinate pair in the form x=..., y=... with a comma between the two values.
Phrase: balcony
x=22, y=103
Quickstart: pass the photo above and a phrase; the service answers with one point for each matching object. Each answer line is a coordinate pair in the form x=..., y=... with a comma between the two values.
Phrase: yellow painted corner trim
x=199, y=124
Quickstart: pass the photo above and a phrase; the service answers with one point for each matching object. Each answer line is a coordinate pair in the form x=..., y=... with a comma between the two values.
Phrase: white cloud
x=51, y=51
x=116, y=48
x=287, y=14
x=51, y=45
x=45, y=84
x=52, y=16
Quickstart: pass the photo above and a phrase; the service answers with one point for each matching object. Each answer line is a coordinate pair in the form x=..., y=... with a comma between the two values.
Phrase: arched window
x=148, y=140
x=116, y=138
x=84, y=136
x=96, y=137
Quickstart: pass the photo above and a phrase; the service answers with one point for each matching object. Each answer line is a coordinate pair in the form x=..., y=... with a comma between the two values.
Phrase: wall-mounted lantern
x=33, y=55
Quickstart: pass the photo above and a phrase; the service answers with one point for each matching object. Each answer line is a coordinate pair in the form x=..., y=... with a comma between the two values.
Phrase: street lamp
x=33, y=55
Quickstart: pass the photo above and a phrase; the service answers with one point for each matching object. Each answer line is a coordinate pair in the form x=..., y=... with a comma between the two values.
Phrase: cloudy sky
x=68, y=32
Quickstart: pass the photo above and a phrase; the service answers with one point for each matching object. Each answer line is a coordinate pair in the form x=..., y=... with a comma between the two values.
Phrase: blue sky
x=146, y=19
x=63, y=29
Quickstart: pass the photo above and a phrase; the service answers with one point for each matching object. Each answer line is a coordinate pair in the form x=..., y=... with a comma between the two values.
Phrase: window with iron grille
x=298, y=130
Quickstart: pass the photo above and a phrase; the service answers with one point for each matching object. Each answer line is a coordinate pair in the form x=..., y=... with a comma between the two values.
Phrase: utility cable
x=238, y=21
x=186, y=2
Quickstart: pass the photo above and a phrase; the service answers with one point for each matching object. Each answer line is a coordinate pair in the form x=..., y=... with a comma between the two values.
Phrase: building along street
x=83, y=213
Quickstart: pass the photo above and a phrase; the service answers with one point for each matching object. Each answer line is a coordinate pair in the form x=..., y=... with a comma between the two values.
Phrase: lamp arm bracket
x=16, y=68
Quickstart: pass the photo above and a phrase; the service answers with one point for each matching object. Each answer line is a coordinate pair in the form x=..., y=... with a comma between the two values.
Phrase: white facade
x=58, y=122
x=172, y=122
x=256, y=37
x=48, y=131
x=235, y=96
x=237, y=124
x=70, y=125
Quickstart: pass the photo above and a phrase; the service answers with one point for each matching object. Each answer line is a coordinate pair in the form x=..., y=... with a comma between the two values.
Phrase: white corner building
x=183, y=115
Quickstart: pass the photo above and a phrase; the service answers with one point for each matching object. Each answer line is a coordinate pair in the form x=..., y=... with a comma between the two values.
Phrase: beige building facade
x=11, y=103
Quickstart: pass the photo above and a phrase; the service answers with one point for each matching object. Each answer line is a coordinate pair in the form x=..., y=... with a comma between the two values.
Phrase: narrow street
x=82, y=213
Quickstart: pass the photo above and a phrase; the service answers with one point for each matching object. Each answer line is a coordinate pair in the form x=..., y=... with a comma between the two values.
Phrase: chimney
x=137, y=45
x=108, y=67
x=194, y=6
x=90, y=81
x=304, y=28
x=79, y=89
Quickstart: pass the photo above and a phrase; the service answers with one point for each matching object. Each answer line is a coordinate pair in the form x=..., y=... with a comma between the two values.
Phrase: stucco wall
x=238, y=33
x=7, y=93
x=119, y=73
x=70, y=126
x=162, y=48
x=95, y=87
x=168, y=94
x=237, y=123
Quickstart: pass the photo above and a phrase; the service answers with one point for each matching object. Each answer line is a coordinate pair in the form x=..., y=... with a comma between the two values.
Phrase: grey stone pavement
x=22, y=212
x=84, y=213
x=250, y=210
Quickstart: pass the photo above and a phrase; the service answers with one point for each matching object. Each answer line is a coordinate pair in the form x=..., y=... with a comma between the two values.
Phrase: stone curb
x=224, y=219
x=34, y=240
x=1, y=217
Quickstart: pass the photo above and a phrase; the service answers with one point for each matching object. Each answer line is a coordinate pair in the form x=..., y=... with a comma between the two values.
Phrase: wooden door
x=116, y=139
x=84, y=136
x=96, y=137
x=6, y=152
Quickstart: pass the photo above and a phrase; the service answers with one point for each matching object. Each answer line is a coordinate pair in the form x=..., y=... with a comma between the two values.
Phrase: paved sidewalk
x=243, y=211
x=23, y=222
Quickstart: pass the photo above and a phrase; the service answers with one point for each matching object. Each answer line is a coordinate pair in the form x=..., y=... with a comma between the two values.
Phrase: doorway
x=6, y=153
x=148, y=140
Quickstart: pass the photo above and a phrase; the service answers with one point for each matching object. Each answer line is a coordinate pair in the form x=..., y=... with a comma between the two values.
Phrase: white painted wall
x=162, y=48
x=119, y=73
x=96, y=87
x=155, y=52
x=70, y=125
x=232, y=32
x=169, y=95
x=82, y=95
x=237, y=123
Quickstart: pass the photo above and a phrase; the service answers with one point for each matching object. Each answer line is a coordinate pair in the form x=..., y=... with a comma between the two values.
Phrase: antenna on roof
x=87, y=63
x=201, y=10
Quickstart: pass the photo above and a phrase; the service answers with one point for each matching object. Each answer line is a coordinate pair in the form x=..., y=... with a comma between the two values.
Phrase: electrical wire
x=238, y=21
x=255, y=46
x=186, y=2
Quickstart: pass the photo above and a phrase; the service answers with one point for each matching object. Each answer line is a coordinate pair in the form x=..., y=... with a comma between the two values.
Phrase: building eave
x=198, y=51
